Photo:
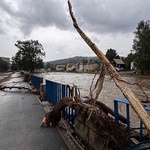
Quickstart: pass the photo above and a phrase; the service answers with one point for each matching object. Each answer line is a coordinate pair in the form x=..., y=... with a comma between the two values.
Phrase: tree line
x=31, y=53
x=140, y=53
x=4, y=65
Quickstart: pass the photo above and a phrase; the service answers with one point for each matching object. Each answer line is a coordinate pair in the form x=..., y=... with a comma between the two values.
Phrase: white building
x=60, y=67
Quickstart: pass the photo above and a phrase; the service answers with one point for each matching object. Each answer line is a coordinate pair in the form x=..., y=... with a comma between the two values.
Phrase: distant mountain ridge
x=76, y=59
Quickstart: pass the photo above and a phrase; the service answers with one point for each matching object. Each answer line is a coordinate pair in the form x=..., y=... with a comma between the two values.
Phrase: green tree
x=14, y=66
x=49, y=66
x=141, y=46
x=111, y=54
x=128, y=60
x=29, y=56
x=4, y=65
x=84, y=61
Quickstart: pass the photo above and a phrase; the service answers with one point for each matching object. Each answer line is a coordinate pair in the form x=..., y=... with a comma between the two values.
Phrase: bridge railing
x=127, y=103
x=36, y=81
x=54, y=92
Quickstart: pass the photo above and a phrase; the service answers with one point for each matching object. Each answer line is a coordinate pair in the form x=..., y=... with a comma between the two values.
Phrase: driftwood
x=115, y=75
x=14, y=87
x=99, y=84
x=53, y=117
x=103, y=125
x=100, y=120
x=33, y=90
x=107, y=110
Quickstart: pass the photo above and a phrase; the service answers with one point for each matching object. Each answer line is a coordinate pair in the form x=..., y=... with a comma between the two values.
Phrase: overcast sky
x=108, y=23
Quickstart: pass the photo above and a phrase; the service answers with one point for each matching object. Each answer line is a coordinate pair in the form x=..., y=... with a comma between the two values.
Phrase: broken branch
x=114, y=74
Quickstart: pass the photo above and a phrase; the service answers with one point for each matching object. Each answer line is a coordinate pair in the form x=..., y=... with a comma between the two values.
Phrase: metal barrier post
x=125, y=101
x=36, y=81
x=116, y=111
x=51, y=92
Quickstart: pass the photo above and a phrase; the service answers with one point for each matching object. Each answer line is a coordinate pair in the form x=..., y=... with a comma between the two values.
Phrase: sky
x=108, y=23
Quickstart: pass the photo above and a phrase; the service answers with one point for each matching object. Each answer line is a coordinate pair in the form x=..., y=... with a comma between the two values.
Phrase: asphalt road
x=20, y=120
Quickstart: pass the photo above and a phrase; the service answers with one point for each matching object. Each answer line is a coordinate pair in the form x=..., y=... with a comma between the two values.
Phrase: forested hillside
x=77, y=59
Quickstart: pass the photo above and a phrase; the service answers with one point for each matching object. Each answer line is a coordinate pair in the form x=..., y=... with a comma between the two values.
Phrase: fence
x=127, y=103
x=36, y=81
x=54, y=92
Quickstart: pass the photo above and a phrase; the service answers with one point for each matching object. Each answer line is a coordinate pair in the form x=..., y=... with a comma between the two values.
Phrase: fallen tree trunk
x=138, y=108
x=103, y=124
x=107, y=110
x=14, y=87
x=53, y=117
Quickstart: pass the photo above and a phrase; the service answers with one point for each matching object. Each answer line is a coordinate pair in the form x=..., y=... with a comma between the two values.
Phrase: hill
x=76, y=59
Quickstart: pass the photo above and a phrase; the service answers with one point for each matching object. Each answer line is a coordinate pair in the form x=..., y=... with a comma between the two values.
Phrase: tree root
x=101, y=122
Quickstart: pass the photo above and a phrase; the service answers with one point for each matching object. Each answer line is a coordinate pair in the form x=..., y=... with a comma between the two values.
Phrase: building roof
x=119, y=61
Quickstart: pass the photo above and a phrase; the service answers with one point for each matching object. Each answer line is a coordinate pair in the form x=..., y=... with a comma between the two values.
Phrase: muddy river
x=139, y=85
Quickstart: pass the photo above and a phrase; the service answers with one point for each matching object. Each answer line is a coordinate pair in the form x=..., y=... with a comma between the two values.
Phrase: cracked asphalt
x=20, y=119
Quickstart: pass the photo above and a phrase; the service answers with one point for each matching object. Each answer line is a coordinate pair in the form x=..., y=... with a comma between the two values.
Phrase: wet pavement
x=20, y=119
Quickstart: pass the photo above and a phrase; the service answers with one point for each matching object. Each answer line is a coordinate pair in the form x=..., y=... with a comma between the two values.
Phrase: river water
x=109, y=91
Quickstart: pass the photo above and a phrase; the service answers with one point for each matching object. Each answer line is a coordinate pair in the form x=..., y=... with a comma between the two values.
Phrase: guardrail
x=127, y=103
x=36, y=81
x=54, y=92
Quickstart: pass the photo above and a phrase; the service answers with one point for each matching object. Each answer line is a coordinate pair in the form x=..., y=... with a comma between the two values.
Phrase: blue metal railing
x=36, y=81
x=127, y=103
x=56, y=91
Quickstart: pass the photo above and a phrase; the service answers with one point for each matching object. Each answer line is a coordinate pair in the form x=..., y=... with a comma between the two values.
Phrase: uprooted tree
x=103, y=124
x=95, y=111
x=120, y=83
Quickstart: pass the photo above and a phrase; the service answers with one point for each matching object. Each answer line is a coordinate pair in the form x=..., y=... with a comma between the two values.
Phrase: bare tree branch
x=137, y=106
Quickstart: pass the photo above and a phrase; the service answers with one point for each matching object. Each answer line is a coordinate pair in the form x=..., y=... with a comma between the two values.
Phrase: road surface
x=20, y=120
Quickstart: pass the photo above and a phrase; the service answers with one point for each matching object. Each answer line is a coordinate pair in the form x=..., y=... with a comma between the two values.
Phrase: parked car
x=118, y=69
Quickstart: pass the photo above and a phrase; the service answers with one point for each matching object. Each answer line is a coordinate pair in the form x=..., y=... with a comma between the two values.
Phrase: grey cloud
x=6, y=7
x=3, y=22
x=43, y=13
x=111, y=16
x=2, y=32
x=2, y=27
x=98, y=16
